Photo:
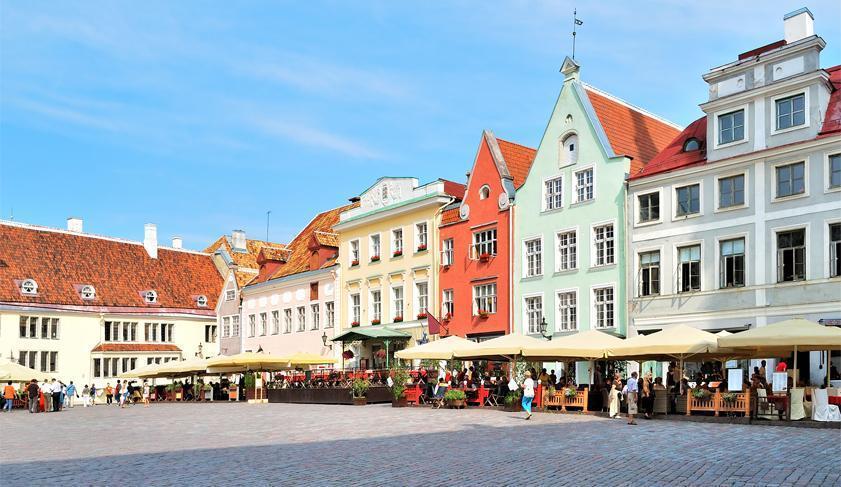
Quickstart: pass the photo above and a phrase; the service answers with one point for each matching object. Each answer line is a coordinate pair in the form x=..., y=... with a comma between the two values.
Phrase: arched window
x=569, y=150
x=201, y=301
x=484, y=192
x=29, y=286
x=691, y=144
x=151, y=297
x=88, y=292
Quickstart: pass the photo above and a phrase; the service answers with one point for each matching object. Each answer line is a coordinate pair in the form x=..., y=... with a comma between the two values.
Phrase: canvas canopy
x=784, y=336
x=506, y=346
x=301, y=359
x=590, y=344
x=678, y=342
x=255, y=361
x=11, y=371
x=443, y=349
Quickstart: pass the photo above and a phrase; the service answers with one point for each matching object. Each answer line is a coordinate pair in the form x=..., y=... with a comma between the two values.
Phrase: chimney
x=354, y=199
x=177, y=243
x=238, y=240
x=74, y=224
x=150, y=239
x=799, y=24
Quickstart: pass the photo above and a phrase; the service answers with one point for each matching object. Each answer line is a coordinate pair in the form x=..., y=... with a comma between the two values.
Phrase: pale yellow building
x=389, y=258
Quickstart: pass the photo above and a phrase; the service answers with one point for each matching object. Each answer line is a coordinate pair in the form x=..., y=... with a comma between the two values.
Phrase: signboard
x=734, y=379
x=779, y=381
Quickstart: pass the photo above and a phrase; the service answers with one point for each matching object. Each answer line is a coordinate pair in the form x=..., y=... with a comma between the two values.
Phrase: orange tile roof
x=299, y=253
x=120, y=271
x=270, y=252
x=450, y=215
x=454, y=189
x=135, y=347
x=518, y=158
x=631, y=131
x=246, y=262
x=326, y=238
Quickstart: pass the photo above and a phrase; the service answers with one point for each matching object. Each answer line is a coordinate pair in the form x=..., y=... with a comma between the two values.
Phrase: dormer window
x=201, y=301
x=691, y=144
x=569, y=150
x=151, y=297
x=484, y=192
x=88, y=292
x=29, y=286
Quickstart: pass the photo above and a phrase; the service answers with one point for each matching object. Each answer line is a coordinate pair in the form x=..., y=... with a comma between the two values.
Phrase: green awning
x=371, y=333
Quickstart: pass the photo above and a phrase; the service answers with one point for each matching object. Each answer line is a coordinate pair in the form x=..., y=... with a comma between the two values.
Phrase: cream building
x=88, y=308
x=389, y=249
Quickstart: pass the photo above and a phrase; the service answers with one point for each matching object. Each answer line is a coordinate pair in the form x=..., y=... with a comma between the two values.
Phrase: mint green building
x=570, y=213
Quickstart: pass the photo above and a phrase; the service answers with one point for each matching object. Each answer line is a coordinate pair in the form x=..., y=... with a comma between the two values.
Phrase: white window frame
x=557, y=255
x=717, y=266
x=150, y=297
x=230, y=294
x=563, y=160
x=725, y=111
x=235, y=326
x=417, y=295
x=676, y=266
x=745, y=173
x=329, y=314
x=275, y=322
x=417, y=235
x=533, y=327
x=827, y=253
x=301, y=318
x=315, y=314
x=638, y=268
x=29, y=282
x=774, y=182
x=593, y=227
x=545, y=194
x=593, y=311
x=375, y=247
x=394, y=241
x=527, y=271
x=252, y=325
x=288, y=321
x=574, y=197
x=351, y=251
x=448, y=251
x=264, y=324
x=226, y=326
x=827, y=174
x=447, y=303
x=88, y=293
x=806, y=120
x=493, y=297
x=376, y=305
x=806, y=259
x=492, y=243
x=484, y=189
x=675, y=216
x=637, y=207
x=575, y=325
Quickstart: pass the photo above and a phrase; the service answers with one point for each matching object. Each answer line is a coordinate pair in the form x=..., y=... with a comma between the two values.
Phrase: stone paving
x=280, y=444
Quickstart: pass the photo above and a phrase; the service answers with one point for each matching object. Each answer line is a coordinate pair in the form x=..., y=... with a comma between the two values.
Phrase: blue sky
x=201, y=116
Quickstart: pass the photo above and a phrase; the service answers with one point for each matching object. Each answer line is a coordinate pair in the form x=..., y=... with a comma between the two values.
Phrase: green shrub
x=454, y=395
x=399, y=376
x=360, y=387
x=513, y=397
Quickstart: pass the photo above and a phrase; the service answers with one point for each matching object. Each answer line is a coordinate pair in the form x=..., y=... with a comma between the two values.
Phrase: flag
x=434, y=324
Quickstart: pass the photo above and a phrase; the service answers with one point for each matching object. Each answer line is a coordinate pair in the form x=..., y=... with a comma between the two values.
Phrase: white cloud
x=314, y=137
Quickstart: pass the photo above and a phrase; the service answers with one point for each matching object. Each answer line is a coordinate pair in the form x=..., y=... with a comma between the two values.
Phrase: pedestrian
x=47, y=391
x=93, y=394
x=62, y=395
x=9, y=396
x=56, y=395
x=121, y=395
x=146, y=392
x=71, y=394
x=109, y=393
x=528, y=394
x=118, y=390
x=86, y=396
x=613, y=400
x=34, y=396
x=631, y=390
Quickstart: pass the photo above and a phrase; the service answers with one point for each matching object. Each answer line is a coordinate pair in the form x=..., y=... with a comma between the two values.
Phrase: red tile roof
x=454, y=189
x=120, y=271
x=630, y=130
x=135, y=347
x=246, y=262
x=518, y=158
x=832, y=120
x=760, y=50
x=450, y=215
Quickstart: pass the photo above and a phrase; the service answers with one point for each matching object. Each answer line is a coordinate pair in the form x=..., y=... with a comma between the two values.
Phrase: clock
x=464, y=211
x=503, y=201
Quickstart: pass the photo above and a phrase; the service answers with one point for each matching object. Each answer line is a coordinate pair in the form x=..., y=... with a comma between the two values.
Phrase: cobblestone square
x=282, y=444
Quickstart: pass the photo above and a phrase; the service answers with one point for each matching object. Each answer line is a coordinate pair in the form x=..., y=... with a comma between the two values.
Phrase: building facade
x=89, y=308
x=292, y=305
x=737, y=224
x=389, y=261
x=570, y=212
x=476, y=241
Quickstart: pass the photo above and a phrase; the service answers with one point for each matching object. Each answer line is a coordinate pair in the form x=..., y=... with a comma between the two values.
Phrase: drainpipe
x=435, y=257
x=512, y=245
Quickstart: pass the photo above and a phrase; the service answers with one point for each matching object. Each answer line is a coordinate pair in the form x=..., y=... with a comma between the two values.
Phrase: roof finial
x=575, y=23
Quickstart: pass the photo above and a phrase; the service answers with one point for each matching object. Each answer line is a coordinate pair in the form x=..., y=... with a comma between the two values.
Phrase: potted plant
x=208, y=392
x=354, y=263
x=570, y=393
x=398, y=319
x=455, y=398
x=729, y=398
x=375, y=258
x=421, y=316
x=399, y=376
x=359, y=389
x=380, y=354
x=484, y=257
x=250, y=383
x=512, y=400
x=398, y=253
x=354, y=323
x=701, y=394
x=422, y=248
x=347, y=354
x=482, y=314
x=550, y=391
x=170, y=392
x=375, y=321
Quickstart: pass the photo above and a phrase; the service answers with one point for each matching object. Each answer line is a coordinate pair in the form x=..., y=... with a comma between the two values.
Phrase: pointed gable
x=518, y=158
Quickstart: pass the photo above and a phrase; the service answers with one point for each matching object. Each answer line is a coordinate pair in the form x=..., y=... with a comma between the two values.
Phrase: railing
x=560, y=399
x=716, y=404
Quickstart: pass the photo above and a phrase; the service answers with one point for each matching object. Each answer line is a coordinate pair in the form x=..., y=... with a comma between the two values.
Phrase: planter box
x=360, y=401
x=399, y=403
x=456, y=404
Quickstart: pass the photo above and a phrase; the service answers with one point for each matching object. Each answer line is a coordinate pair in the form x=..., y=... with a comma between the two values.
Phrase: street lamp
x=543, y=329
x=199, y=353
x=324, y=341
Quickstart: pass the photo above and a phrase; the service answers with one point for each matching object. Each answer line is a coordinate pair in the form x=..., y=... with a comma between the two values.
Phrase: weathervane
x=575, y=23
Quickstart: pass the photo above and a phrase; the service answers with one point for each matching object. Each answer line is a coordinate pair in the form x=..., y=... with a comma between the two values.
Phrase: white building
x=737, y=224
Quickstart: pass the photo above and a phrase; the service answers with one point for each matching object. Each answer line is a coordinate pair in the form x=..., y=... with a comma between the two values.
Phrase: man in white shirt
x=56, y=391
x=47, y=391
x=630, y=390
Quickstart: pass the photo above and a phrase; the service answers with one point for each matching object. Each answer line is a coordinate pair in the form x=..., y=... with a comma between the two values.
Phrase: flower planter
x=398, y=319
x=354, y=263
x=375, y=322
x=422, y=316
x=421, y=248
x=483, y=315
x=360, y=401
x=484, y=257
x=375, y=258
x=456, y=403
x=398, y=253
x=399, y=403
x=354, y=323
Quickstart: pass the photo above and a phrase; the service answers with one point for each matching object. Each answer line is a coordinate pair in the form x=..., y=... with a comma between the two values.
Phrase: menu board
x=734, y=379
x=779, y=381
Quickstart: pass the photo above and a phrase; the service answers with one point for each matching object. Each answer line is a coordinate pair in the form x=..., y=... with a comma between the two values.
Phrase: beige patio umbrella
x=590, y=345
x=150, y=371
x=677, y=342
x=443, y=349
x=11, y=371
x=181, y=368
x=790, y=335
x=255, y=361
x=506, y=346
x=301, y=359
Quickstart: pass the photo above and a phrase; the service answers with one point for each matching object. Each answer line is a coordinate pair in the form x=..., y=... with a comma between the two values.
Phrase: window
x=791, y=111
x=691, y=144
x=484, y=243
x=315, y=311
x=397, y=242
x=534, y=312
x=791, y=255
x=534, y=257
x=567, y=251
x=603, y=244
x=421, y=236
x=447, y=254
x=302, y=318
x=230, y=294
x=649, y=277
x=376, y=306
x=313, y=291
x=790, y=179
x=835, y=250
x=287, y=320
x=484, y=192
x=355, y=309
x=275, y=322
x=569, y=150
x=732, y=263
x=151, y=297
x=330, y=314
x=354, y=252
x=29, y=286
x=731, y=191
x=235, y=325
x=484, y=298
x=264, y=320
x=97, y=367
x=88, y=292
x=688, y=200
x=29, y=327
x=397, y=299
x=374, y=248
x=689, y=268
x=201, y=301
x=210, y=333
x=447, y=305
x=226, y=326
x=422, y=292
x=603, y=305
x=835, y=171
x=731, y=127
x=567, y=311
x=649, y=207
x=252, y=325
x=552, y=190
x=584, y=185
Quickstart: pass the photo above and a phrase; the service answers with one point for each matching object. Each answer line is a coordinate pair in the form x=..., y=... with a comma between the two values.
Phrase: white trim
x=636, y=207
x=574, y=185
x=826, y=236
x=636, y=271
x=543, y=193
x=350, y=252
x=561, y=138
x=525, y=256
x=676, y=266
x=805, y=92
x=790, y=162
x=746, y=128
x=717, y=263
x=749, y=314
x=556, y=260
x=371, y=247
x=680, y=218
x=592, y=303
x=717, y=191
x=827, y=174
x=416, y=239
x=525, y=313
x=593, y=226
x=785, y=228
x=555, y=303
x=391, y=241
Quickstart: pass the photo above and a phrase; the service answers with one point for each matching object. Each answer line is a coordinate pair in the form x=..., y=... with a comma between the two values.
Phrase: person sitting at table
x=781, y=366
x=544, y=378
x=553, y=379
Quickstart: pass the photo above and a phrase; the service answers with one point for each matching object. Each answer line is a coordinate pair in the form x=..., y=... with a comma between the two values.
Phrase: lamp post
x=324, y=341
x=543, y=329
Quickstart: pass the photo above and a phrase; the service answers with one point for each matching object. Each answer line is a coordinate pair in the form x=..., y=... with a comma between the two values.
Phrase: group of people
x=54, y=395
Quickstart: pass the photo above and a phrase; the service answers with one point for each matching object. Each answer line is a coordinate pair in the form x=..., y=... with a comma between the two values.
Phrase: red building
x=476, y=241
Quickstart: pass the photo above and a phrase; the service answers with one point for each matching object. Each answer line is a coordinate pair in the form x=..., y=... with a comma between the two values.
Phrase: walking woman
x=613, y=400
x=528, y=394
